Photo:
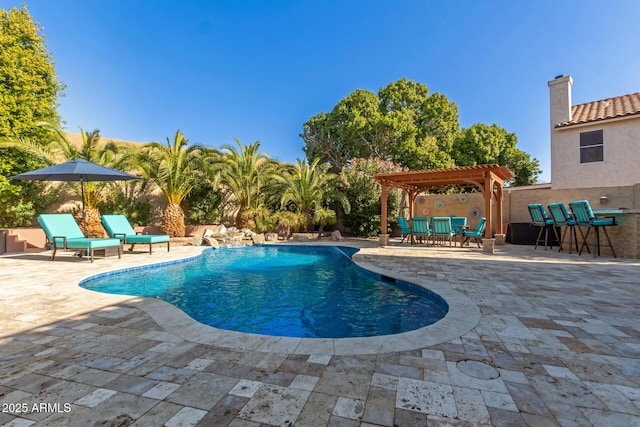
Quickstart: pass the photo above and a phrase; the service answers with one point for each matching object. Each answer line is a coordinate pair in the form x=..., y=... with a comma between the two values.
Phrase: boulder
x=196, y=241
x=271, y=237
x=248, y=233
x=258, y=238
x=210, y=241
x=336, y=236
x=222, y=229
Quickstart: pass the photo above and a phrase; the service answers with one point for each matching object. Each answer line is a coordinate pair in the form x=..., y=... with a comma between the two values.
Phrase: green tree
x=490, y=144
x=245, y=171
x=177, y=169
x=204, y=204
x=401, y=123
x=355, y=127
x=20, y=202
x=407, y=125
x=364, y=192
x=29, y=87
x=309, y=188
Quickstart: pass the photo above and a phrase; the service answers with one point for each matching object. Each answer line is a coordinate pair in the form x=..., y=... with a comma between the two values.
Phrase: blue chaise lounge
x=118, y=226
x=63, y=232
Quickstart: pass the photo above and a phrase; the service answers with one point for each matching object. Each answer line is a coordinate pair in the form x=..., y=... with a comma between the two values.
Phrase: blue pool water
x=295, y=291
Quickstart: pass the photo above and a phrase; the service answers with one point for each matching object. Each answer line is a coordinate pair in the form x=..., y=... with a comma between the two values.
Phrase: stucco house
x=595, y=144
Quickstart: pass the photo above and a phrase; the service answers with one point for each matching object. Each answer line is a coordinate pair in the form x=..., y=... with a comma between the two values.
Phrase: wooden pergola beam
x=485, y=177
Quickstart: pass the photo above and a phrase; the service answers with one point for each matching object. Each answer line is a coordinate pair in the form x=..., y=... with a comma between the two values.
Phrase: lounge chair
x=562, y=218
x=441, y=227
x=476, y=234
x=420, y=228
x=585, y=217
x=63, y=232
x=540, y=219
x=405, y=230
x=118, y=226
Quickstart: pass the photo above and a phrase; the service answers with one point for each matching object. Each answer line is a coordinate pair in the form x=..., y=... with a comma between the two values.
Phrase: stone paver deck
x=534, y=338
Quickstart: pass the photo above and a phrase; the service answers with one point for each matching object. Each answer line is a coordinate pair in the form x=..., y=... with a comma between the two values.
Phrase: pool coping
x=462, y=317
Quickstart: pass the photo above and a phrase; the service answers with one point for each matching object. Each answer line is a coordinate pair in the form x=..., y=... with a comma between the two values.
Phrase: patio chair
x=118, y=226
x=405, y=230
x=585, y=217
x=63, y=232
x=476, y=234
x=562, y=218
x=420, y=228
x=441, y=228
x=459, y=224
x=540, y=219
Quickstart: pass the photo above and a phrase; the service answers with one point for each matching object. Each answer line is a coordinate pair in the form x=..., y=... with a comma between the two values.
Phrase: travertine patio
x=534, y=338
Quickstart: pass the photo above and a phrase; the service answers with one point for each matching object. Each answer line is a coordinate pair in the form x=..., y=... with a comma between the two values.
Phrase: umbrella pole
x=84, y=211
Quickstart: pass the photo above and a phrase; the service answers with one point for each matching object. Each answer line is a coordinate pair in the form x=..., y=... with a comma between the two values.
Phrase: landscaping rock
x=257, y=238
x=196, y=241
x=336, y=236
x=271, y=237
x=248, y=233
x=210, y=241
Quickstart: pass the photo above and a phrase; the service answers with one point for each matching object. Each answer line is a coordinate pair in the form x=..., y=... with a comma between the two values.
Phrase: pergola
x=489, y=179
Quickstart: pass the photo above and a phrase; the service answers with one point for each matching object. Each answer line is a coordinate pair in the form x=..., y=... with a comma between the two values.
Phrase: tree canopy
x=406, y=124
x=29, y=86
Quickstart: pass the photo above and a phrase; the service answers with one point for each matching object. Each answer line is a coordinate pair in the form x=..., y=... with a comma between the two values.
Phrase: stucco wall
x=621, y=152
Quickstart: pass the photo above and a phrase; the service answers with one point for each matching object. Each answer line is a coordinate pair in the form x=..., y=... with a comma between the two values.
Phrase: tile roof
x=610, y=108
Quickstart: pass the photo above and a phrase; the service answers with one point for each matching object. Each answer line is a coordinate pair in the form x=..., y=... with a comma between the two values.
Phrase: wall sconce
x=604, y=200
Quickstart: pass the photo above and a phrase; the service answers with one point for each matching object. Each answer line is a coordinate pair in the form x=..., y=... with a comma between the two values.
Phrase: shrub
x=363, y=193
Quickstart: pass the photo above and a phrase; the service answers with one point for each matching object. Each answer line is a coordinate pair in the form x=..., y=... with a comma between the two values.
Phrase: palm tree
x=176, y=169
x=59, y=149
x=307, y=187
x=246, y=171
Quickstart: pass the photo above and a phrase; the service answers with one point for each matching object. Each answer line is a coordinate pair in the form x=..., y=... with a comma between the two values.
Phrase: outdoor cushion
x=118, y=226
x=63, y=233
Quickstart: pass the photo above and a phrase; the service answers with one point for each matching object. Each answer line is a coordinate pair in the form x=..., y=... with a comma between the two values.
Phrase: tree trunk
x=93, y=222
x=173, y=221
x=242, y=222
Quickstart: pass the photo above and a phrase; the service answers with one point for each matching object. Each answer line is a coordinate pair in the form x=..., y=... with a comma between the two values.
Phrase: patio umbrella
x=77, y=170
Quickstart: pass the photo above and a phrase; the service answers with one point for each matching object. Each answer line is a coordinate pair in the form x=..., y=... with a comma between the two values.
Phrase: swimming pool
x=282, y=290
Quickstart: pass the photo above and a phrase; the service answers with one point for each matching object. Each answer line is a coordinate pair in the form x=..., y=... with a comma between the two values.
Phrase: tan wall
x=453, y=205
x=621, y=151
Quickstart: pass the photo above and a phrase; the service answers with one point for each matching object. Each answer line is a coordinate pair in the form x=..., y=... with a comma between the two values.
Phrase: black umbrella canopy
x=77, y=170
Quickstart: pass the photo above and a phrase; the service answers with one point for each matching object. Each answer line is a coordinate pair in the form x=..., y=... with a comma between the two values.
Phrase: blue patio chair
x=441, y=228
x=540, y=219
x=585, y=217
x=405, y=230
x=458, y=224
x=118, y=226
x=476, y=234
x=562, y=218
x=63, y=232
x=420, y=228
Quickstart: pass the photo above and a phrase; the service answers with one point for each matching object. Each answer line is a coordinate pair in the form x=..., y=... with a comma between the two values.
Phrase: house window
x=591, y=147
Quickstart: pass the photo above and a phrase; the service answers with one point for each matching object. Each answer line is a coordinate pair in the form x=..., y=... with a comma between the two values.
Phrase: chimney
x=560, y=99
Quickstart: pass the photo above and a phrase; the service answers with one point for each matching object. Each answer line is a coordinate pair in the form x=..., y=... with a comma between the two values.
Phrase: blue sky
x=257, y=70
